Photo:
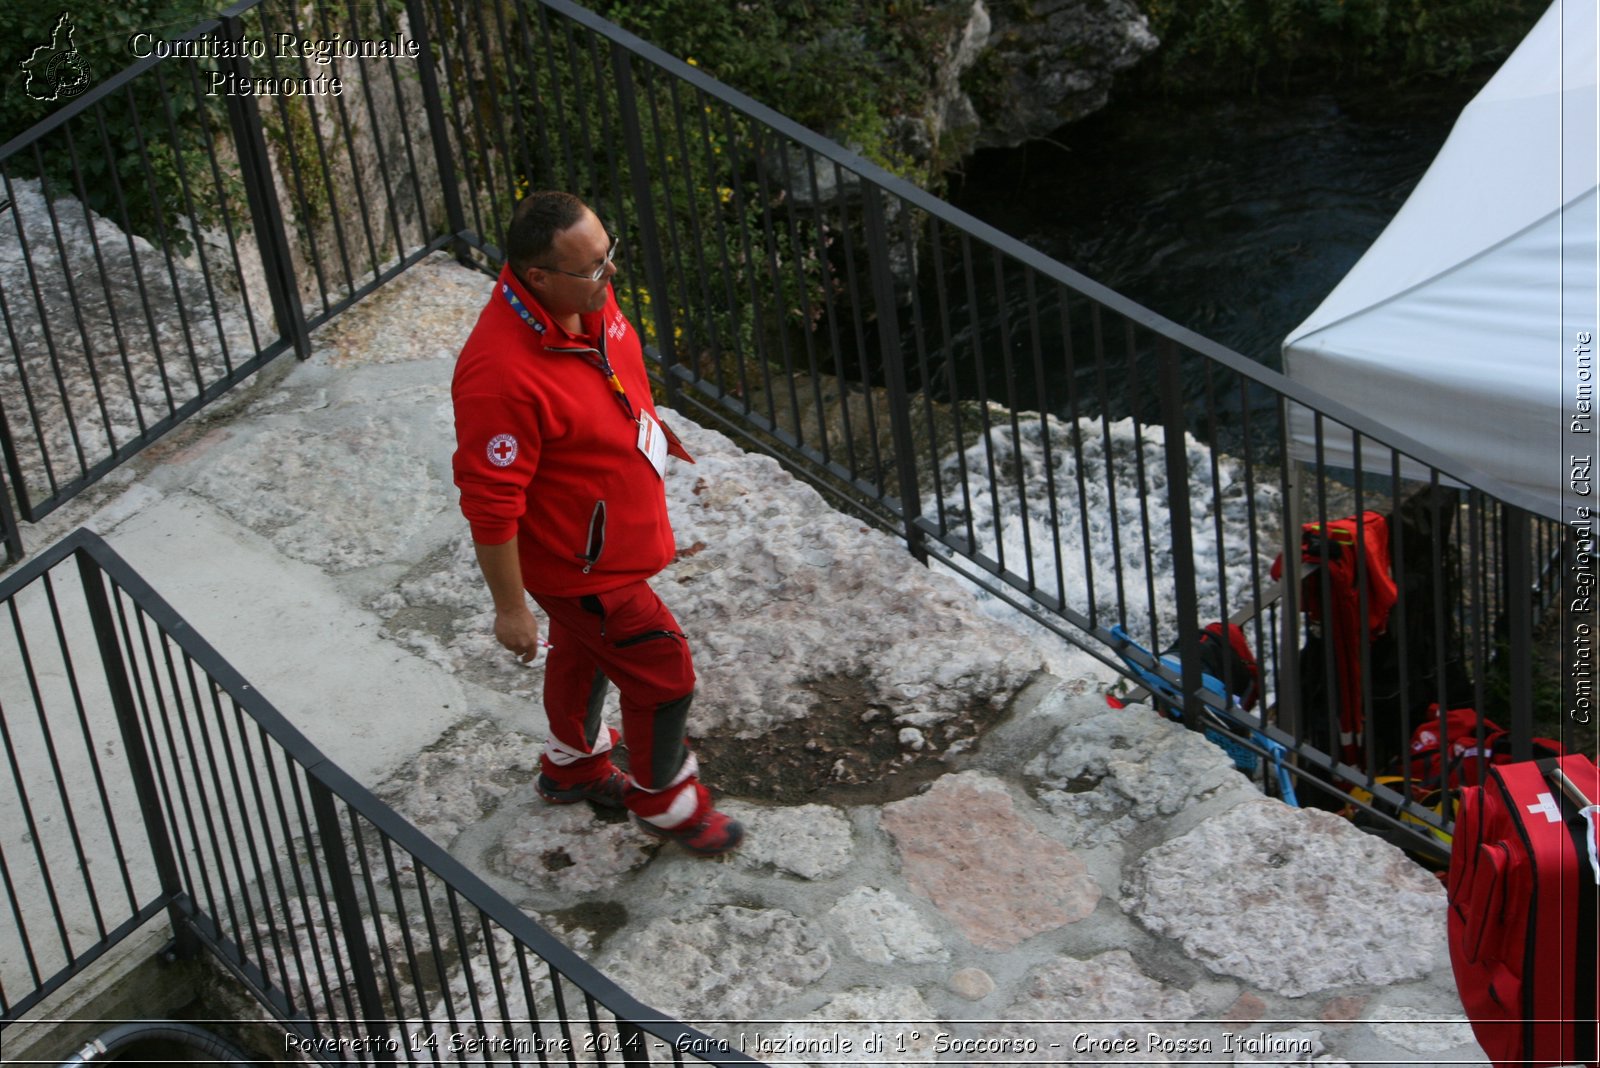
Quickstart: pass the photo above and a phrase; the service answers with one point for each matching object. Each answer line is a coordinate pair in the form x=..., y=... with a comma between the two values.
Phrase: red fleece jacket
x=546, y=452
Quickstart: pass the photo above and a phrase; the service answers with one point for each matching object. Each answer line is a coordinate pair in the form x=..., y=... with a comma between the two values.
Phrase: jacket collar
x=550, y=331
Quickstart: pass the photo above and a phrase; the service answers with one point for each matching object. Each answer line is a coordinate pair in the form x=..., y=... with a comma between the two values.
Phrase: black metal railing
x=1117, y=478
x=147, y=778
x=172, y=233
x=1112, y=475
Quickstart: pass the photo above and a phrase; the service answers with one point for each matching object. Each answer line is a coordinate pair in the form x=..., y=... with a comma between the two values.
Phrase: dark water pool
x=1232, y=218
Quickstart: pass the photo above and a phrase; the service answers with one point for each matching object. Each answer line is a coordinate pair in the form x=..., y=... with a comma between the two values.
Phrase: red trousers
x=628, y=637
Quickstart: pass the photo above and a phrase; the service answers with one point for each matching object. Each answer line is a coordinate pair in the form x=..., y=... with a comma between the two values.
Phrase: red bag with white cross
x=1523, y=887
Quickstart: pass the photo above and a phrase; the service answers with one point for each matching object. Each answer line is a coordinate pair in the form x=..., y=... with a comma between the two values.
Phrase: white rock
x=1292, y=901
x=723, y=963
x=880, y=928
x=811, y=841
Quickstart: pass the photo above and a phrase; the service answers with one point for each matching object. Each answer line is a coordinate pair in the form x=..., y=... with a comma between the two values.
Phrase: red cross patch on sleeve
x=502, y=450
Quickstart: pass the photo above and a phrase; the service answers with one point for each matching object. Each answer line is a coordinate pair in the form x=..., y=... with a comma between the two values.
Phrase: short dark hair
x=536, y=221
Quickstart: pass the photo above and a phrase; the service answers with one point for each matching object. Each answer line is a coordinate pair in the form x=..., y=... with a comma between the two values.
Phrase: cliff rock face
x=1050, y=62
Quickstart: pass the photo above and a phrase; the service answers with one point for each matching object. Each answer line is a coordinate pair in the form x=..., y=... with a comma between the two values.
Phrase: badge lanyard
x=604, y=364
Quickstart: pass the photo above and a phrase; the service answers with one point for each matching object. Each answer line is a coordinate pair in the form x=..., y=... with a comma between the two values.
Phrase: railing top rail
x=1052, y=269
x=317, y=765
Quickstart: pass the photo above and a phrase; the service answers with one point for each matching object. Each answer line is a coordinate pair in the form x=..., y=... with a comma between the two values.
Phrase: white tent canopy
x=1458, y=326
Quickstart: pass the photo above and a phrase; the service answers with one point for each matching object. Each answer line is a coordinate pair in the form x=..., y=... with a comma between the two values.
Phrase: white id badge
x=653, y=443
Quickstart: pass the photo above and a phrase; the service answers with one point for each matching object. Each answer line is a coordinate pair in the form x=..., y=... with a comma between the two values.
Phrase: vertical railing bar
x=540, y=132
x=846, y=422
x=8, y=443
x=645, y=208
x=587, y=161
x=525, y=982
x=263, y=820
x=464, y=954
x=55, y=356
x=1231, y=679
x=497, y=149
x=323, y=169
x=438, y=128
x=437, y=952
x=802, y=294
x=90, y=749
x=1363, y=608
x=1046, y=433
x=210, y=137
x=33, y=835
x=194, y=215
x=894, y=373
x=357, y=178
x=154, y=739
x=379, y=151
x=774, y=273
x=718, y=348
x=1152, y=601
x=943, y=346
x=563, y=129
x=164, y=243
x=351, y=926
x=919, y=335
x=502, y=1004
x=1252, y=533
x=981, y=378
x=1076, y=427
x=296, y=873
x=563, y=1021
x=594, y=1028
x=413, y=965
x=1333, y=712
x=949, y=353
x=311, y=829
x=830, y=310
x=359, y=848
x=133, y=744
x=48, y=737
x=458, y=78
x=14, y=900
x=1013, y=403
x=608, y=136
x=746, y=259
x=1097, y=331
x=682, y=319
x=1188, y=612
x=286, y=830
x=389, y=28
x=697, y=239
x=125, y=223
x=244, y=121
x=253, y=878
x=111, y=305
x=217, y=798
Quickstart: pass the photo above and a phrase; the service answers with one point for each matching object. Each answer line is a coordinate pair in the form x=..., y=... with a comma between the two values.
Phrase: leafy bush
x=845, y=68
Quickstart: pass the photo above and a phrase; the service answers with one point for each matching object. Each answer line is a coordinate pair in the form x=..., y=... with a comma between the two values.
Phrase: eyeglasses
x=596, y=274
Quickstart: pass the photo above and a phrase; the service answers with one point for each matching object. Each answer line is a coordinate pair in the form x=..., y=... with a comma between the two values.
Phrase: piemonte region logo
x=57, y=71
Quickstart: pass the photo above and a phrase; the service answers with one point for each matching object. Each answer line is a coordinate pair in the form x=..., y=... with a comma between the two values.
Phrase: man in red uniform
x=560, y=460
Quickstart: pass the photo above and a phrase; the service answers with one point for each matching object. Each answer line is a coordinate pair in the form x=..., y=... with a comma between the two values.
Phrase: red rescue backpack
x=1461, y=756
x=1523, y=888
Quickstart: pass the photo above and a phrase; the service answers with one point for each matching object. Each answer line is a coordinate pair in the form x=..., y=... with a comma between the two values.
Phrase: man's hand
x=517, y=630
x=514, y=625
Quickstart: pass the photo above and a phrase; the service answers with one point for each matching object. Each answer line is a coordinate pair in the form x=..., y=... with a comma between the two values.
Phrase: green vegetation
x=129, y=132
x=845, y=68
x=1233, y=45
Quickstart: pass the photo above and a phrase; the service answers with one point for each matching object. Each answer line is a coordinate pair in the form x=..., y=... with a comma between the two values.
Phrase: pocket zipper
x=597, y=537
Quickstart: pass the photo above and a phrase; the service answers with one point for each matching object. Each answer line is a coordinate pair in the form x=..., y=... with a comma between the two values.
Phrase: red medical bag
x=1523, y=889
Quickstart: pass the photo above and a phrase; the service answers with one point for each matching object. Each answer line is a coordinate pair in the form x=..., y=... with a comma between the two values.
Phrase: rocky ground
x=953, y=855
